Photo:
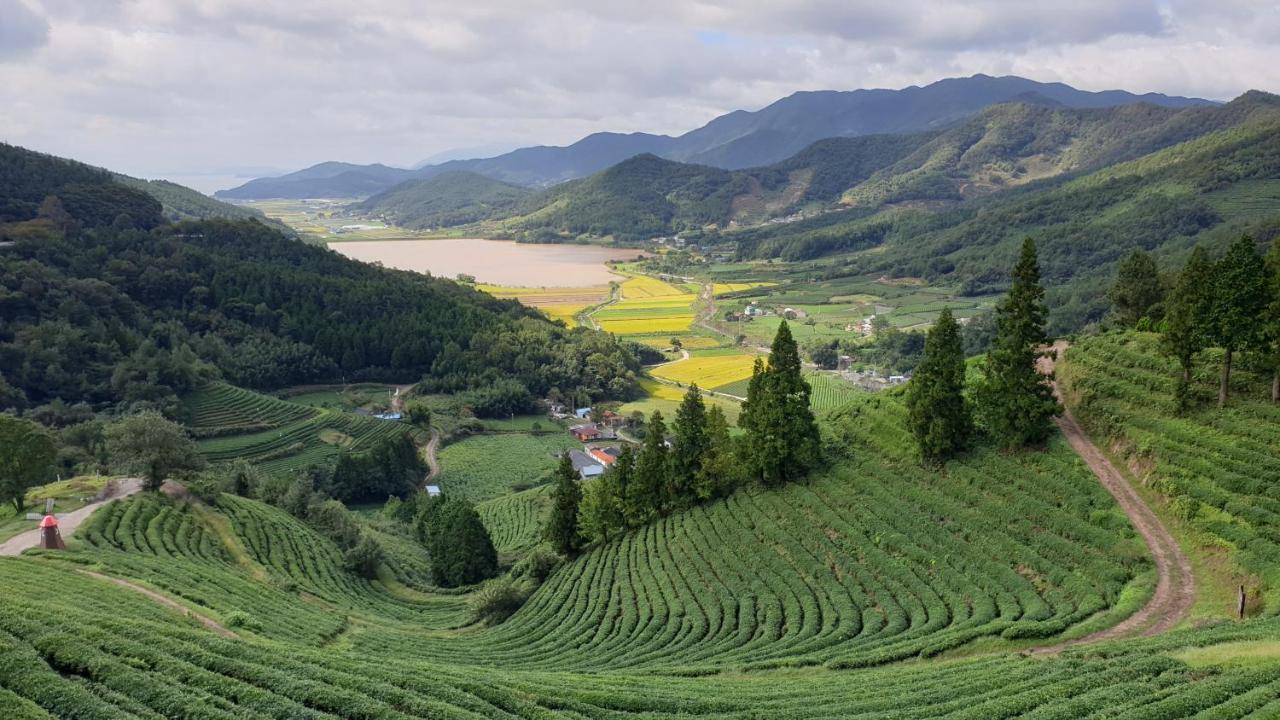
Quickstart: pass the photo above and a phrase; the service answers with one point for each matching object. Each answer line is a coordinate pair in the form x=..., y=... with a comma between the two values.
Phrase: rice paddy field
x=878, y=589
x=558, y=303
x=647, y=306
x=708, y=371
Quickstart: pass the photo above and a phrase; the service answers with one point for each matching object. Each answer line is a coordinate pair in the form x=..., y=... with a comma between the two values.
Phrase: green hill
x=109, y=305
x=453, y=198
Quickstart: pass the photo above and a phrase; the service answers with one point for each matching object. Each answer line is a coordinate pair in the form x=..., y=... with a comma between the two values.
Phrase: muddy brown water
x=495, y=262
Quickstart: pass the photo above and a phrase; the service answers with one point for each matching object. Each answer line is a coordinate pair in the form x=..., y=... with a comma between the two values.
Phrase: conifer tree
x=721, y=469
x=1271, y=324
x=690, y=447
x=1186, y=318
x=1137, y=289
x=566, y=499
x=602, y=514
x=937, y=412
x=1240, y=299
x=1014, y=400
x=782, y=435
x=646, y=491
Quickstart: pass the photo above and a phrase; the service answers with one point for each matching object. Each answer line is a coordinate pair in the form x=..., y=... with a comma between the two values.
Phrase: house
x=897, y=379
x=613, y=419
x=587, y=466
x=388, y=416
x=753, y=311
x=433, y=490
x=586, y=432
x=582, y=413
x=557, y=410
x=792, y=313
x=605, y=455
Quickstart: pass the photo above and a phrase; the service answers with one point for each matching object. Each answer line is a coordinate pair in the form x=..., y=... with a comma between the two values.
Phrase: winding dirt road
x=433, y=464
x=1175, y=584
x=68, y=523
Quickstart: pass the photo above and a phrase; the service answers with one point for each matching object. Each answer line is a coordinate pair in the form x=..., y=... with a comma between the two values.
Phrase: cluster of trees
x=458, y=545
x=130, y=313
x=1013, y=400
x=392, y=467
x=699, y=460
x=890, y=348
x=1232, y=303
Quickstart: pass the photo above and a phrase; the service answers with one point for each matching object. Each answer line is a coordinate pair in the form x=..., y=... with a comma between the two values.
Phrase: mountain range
x=737, y=140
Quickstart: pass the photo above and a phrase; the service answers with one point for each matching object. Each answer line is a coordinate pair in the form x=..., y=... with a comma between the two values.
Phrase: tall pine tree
x=1186, y=319
x=690, y=447
x=646, y=496
x=1137, y=289
x=1271, y=324
x=1240, y=299
x=782, y=441
x=937, y=411
x=1014, y=400
x=562, y=527
x=601, y=515
x=721, y=469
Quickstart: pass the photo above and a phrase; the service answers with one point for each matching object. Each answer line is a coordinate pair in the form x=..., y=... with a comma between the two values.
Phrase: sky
x=211, y=92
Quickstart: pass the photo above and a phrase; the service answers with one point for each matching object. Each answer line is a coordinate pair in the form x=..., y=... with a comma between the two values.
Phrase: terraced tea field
x=483, y=467
x=1217, y=469
x=278, y=436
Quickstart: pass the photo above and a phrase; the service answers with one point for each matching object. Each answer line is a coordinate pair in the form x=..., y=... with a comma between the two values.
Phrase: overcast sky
x=174, y=88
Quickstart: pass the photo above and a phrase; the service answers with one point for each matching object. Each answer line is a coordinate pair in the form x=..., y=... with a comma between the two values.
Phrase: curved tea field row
x=875, y=562
x=483, y=467
x=1220, y=469
x=515, y=522
x=94, y=651
x=279, y=436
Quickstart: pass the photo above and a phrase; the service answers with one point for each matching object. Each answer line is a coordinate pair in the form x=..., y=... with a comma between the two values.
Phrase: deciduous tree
x=28, y=453
x=152, y=446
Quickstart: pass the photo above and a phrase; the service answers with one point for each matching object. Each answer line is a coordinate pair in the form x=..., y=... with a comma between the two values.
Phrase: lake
x=495, y=262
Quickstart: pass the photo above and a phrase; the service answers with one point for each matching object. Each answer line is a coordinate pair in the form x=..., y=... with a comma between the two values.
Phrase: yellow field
x=643, y=326
x=707, y=372
x=722, y=288
x=641, y=293
x=689, y=342
x=661, y=391
x=557, y=303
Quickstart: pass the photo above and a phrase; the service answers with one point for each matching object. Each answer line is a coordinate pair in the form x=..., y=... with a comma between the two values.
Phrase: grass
x=67, y=495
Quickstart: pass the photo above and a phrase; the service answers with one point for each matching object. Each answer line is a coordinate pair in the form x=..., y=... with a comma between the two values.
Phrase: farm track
x=429, y=452
x=208, y=622
x=1175, y=584
x=67, y=524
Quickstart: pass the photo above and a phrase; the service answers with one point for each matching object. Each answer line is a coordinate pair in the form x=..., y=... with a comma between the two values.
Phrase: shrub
x=498, y=599
x=537, y=565
x=364, y=558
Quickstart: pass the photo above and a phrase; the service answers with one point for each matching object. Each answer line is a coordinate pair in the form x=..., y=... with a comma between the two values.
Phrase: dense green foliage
x=566, y=499
x=105, y=313
x=457, y=542
x=448, y=199
x=153, y=447
x=1138, y=289
x=781, y=442
x=937, y=410
x=1014, y=399
x=27, y=455
x=1241, y=294
x=1185, y=327
x=392, y=467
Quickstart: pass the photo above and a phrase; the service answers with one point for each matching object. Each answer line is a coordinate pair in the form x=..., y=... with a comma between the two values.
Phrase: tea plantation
x=877, y=590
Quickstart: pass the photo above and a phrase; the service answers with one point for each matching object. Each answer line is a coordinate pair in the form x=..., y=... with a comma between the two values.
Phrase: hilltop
x=737, y=140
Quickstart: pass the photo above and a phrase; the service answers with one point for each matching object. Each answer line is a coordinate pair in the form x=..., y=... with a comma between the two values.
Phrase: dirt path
x=1175, y=584
x=68, y=523
x=433, y=464
x=167, y=602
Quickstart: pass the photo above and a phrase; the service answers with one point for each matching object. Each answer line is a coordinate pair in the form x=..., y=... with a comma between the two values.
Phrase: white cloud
x=157, y=86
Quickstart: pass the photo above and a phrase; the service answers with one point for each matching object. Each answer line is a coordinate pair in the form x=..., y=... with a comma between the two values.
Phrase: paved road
x=1175, y=583
x=67, y=523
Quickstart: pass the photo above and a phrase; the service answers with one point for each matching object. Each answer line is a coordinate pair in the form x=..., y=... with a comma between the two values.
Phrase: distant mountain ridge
x=737, y=140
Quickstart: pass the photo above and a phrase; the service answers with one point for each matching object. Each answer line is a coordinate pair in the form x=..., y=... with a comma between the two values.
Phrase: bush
x=243, y=620
x=498, y=599
x=364, y=558
x=537, y=565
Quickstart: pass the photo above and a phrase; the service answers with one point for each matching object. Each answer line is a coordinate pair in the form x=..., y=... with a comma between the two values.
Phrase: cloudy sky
x=203, y=90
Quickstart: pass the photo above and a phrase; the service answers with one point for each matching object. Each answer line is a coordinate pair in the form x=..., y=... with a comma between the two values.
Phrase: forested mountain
x=182, y=203
x=1206, y=189
x=103, y=302
x=453, y=198
x=739, y=139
